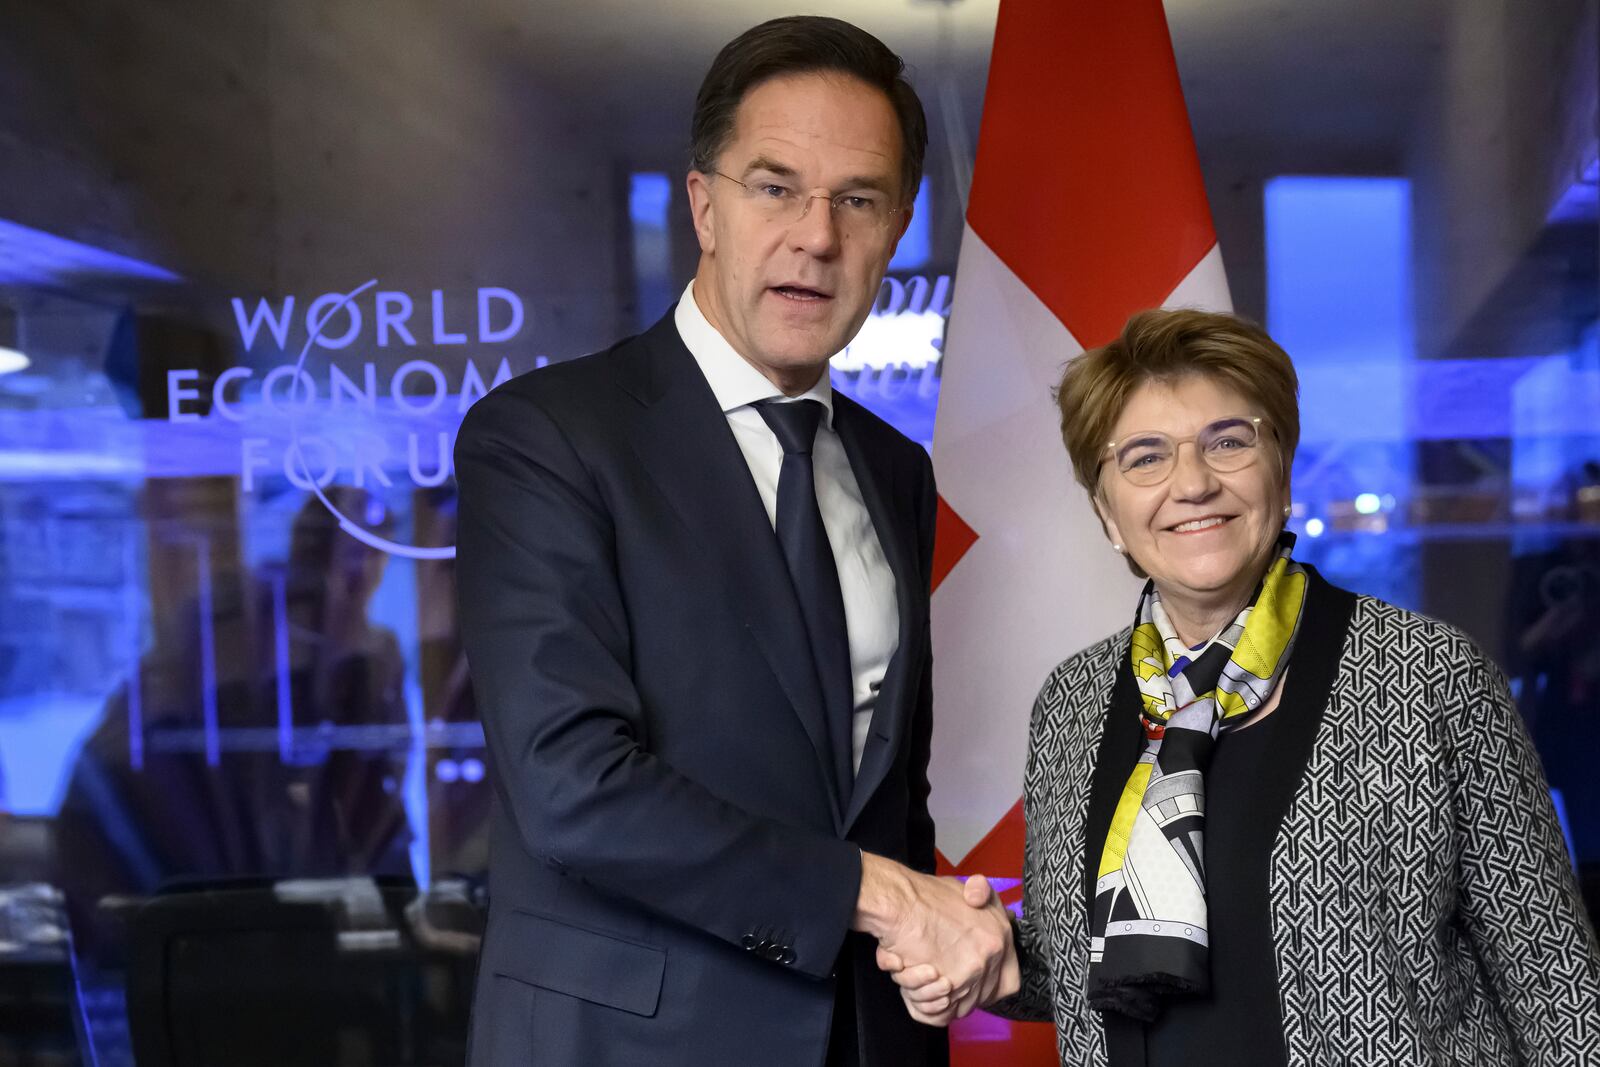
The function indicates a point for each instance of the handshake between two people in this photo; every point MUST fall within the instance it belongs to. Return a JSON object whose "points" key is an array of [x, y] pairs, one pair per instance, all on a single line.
{"points": [[947, 945]]}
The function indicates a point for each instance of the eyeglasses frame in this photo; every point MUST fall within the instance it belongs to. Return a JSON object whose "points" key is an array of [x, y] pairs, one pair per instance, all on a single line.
{"points": [[888, 219], [1256, 421]]}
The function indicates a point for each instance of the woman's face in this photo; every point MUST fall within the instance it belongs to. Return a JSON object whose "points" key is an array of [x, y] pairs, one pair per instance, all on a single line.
{"points": [[1204, 536]]}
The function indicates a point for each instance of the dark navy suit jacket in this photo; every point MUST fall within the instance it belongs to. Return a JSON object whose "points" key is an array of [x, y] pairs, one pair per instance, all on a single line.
{"points": [[671, 878]]}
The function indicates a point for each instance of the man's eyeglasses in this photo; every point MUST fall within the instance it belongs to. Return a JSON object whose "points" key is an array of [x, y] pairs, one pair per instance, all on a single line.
{"points": [[866, 212], [1149, 457]]}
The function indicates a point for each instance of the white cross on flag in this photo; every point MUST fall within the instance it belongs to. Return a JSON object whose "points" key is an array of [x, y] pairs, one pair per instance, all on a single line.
{"points": [[1087, 205]]}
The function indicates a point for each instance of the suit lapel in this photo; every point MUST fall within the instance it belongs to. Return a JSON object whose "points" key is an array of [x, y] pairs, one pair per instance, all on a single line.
{"points": [[896, 532], [686, 447]]}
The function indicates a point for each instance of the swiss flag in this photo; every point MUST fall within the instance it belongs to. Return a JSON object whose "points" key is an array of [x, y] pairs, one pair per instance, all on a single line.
{"points": [[1087, 205]]}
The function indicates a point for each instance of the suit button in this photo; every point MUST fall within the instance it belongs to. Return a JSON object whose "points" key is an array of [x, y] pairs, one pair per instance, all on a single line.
{"points": [[749, 942], [788, 957]]}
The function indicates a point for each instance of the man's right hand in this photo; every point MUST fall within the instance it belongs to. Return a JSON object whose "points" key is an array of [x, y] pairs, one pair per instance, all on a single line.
{"points": [[935, 929]]}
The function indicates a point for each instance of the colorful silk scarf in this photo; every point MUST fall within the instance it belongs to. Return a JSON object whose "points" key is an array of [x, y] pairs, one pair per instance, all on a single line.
{"points": [[1148, 931]]}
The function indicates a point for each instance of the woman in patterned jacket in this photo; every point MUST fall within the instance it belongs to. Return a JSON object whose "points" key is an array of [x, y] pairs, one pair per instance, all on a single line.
{"points": [[1273, 822]]}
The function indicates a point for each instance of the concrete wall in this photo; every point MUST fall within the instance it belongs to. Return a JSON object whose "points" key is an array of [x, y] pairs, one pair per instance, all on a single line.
{"points": [[301, 147], [1505, 130]]}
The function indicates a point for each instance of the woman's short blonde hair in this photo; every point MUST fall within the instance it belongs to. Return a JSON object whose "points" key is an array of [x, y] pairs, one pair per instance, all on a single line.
{"points": [[1166, 346]]}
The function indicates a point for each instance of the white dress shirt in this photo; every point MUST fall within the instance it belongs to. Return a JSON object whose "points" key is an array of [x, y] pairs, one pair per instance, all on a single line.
{"points": [[870, 613]]}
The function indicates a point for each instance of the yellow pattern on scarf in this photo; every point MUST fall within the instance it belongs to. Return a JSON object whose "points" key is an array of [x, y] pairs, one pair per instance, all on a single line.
{"points": [[1267, 632]]}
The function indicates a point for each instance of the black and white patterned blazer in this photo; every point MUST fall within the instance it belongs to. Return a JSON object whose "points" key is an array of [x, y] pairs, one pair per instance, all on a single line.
{"points": [[1423, 909]]}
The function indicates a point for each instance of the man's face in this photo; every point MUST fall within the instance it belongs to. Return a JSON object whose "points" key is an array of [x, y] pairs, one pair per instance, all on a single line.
{"points": [[786, 293]]}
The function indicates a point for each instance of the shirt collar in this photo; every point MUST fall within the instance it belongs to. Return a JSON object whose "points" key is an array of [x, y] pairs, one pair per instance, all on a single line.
{"points": [[734, 382]]}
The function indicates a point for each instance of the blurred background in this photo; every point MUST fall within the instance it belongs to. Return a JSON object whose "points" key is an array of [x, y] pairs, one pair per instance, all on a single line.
{"points": [[257, 259]]}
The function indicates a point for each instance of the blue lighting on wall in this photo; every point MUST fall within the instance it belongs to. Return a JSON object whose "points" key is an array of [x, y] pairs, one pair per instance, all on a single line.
{"points": [[649, 197], [1339, 301], [1580, 202], [30, 257], [649, 192], [1560, 805], [916, 247]]}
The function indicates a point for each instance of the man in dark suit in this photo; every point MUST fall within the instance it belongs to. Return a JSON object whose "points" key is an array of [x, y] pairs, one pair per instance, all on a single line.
{"points": [[694, 598]]}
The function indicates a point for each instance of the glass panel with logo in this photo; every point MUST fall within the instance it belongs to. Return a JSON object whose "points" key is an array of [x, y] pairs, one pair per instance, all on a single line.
{"points": [[256, 261]]}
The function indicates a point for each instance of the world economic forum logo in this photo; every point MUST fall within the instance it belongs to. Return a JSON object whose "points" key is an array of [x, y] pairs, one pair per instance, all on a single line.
{"points": [[319, 416]]}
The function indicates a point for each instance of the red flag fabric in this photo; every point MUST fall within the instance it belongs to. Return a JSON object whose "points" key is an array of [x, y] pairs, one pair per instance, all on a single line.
{"points": [[1087, 205]]}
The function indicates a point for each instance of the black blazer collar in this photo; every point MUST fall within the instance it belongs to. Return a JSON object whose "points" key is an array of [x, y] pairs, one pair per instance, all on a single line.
{"points": [[888, 504]]}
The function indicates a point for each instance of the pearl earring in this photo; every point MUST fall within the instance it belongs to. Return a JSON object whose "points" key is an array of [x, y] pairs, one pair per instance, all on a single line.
{"points": [[1288, 509], [1117, 549]]}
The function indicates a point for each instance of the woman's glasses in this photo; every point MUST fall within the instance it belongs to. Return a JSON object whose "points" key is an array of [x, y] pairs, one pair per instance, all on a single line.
{"points": [[1150, 456]]}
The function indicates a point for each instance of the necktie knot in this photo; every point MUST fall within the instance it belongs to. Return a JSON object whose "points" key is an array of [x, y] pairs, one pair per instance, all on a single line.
{"points": [[794, 424]]}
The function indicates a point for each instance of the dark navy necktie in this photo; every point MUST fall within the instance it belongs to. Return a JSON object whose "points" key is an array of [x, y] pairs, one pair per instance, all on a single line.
{"points": [[804, 541]]}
